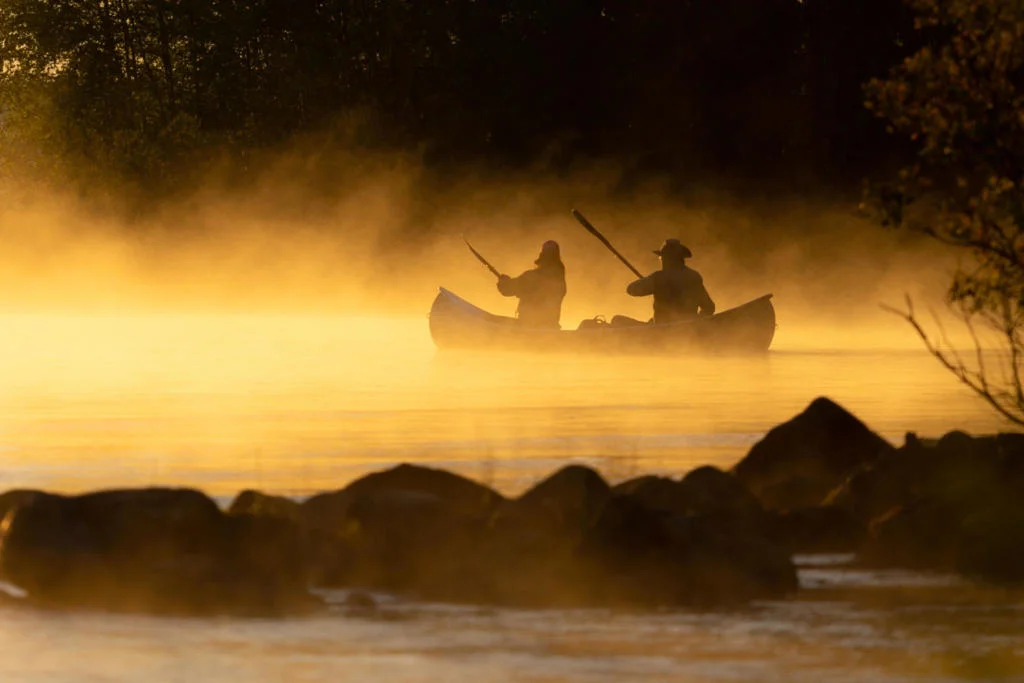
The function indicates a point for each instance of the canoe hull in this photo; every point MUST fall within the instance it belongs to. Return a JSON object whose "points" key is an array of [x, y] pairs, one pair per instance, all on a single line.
{"points": [[457, 324]]}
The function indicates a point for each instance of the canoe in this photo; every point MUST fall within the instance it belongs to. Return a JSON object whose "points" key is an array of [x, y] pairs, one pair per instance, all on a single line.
{"points": [[457, 324]]}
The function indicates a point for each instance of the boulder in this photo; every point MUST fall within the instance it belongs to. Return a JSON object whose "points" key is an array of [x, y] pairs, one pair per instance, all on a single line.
{"points": [[708, 490], [953, 505], [459, 493], [956, 471], [324, 551], [798, 463], [15, 497], [823, 529], [412, 542], [704, 490], [921, 535], [636, 555], [259, 504], [525, 553], [167, 551], [556, 511], [419, 517], [991, 543], [330, 510]]}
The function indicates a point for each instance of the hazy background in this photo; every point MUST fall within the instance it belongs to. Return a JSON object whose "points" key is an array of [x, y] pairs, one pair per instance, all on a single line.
{"points": [[391, 235]]}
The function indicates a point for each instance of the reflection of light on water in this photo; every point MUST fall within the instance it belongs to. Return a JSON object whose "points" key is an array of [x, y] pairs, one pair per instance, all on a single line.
{"points": [[844, 578], [844, 638], [300, 402]]}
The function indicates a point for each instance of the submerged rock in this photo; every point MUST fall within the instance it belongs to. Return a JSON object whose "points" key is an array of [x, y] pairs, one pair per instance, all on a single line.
{"points": [[798, 463], [166, 551]]}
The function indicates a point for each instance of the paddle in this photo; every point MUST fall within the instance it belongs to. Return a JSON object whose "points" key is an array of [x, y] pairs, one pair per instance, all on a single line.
{"points": [[593, 231], [481, 258]]}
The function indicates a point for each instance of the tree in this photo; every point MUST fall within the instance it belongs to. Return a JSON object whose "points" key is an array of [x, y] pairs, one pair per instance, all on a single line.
{"points": [[961, 100]]}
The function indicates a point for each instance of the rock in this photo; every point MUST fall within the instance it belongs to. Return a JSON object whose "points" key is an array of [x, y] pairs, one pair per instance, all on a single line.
{"points": [[557, 510], [956, 471], [166, 551], [990, 544], [526, 550], [324, 551], [892, 481], [825, 529], [256, 503], [952, 504], [704, 490], [379, 530], [656, 492], [1011, 456], [15, 497], [403, 541], [409, 541], [636, 555], [709, 490], [922, 535], [459, 493], [819, 447]]}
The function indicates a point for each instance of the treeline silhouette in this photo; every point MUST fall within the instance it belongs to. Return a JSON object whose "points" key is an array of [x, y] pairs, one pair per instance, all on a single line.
{"points": [[747, 89]]}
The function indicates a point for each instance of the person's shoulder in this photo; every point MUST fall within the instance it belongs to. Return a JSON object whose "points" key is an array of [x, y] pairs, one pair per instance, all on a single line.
{"points": [[693, 274]]}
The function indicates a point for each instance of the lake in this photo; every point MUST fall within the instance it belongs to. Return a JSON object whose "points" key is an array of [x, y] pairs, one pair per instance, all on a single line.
{"points": [[298, 403]]}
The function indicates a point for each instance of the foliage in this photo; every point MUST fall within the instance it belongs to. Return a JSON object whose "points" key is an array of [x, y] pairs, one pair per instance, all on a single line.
{"points": [[746, 87], [961, 99]]}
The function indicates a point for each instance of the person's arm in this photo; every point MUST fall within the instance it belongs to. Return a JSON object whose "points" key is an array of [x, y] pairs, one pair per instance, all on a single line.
{"points": [[511, 286], [707, 306], [642, 287]]}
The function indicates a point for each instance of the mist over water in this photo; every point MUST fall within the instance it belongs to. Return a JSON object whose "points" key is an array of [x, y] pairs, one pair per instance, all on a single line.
{"points": [[298, 403], [260, 341]]}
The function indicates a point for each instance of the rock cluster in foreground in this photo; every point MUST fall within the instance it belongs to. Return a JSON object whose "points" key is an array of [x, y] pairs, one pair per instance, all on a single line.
{"points": [[951, 504], [820, 482]]}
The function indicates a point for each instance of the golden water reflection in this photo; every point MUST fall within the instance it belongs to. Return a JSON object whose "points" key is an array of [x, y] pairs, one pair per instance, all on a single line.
{"points": [[295, 403]]}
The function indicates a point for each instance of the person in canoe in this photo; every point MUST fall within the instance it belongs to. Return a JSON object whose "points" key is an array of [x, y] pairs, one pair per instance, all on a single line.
{"points": [[540, 290], [678, 290]]}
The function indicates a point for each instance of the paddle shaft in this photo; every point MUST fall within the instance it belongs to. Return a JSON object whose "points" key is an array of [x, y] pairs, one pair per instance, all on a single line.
{"points": [[593, 231], [482, 259]]}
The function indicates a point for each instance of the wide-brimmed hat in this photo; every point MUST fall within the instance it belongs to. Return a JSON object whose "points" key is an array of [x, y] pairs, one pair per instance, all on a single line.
{"points": [[549, 251], [673, 247]]}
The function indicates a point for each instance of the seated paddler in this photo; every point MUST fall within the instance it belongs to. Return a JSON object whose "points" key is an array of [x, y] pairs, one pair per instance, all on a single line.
{"points": [[540, 290], [678, 290]]}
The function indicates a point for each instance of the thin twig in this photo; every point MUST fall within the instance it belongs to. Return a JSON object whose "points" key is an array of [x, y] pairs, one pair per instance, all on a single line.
{"points": [[976, 381]]}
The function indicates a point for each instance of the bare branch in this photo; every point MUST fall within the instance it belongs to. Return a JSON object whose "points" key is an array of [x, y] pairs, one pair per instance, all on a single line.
{"points": [[976, 381]]}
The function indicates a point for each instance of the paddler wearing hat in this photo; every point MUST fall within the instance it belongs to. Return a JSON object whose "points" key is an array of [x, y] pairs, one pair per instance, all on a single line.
{"points": [[678, 290], [540, 290]]}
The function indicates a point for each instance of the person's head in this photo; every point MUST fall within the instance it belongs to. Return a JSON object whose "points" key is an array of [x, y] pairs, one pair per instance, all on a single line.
{"points": [[673, 252], [549, 254]]}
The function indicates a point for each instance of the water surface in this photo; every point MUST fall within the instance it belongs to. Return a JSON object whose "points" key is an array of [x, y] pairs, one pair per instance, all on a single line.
{"points": [[300, 403], [293, 404]]}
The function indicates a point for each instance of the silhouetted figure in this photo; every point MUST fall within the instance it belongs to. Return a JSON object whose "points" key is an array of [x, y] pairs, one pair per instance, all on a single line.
{"points": [[678, 290], [540, 290]]}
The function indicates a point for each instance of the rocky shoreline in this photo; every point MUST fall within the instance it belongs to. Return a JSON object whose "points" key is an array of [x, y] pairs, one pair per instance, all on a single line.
{"points": [[821, 482]]}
